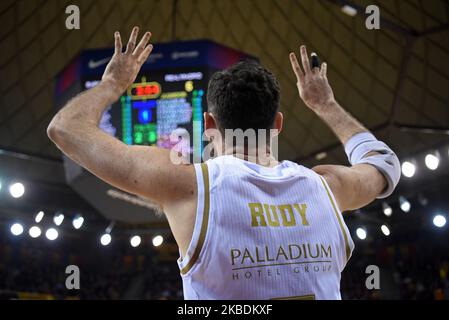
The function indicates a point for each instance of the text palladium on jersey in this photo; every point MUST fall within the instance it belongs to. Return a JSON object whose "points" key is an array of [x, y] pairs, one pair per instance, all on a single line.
{"points": [[298, 258], [246, 257]]}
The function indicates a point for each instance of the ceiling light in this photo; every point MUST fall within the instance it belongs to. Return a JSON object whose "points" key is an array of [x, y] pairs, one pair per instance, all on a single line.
{"points": [[432, 161], [404, 204], [105, 239], [349, 10], [17, 190], [385, 230], [361, 233], [439, 221], [408, 169], [16, 229], [135, 241], [39, 216], [158, 240], [52, 234], [35, 232], [388, 211]]}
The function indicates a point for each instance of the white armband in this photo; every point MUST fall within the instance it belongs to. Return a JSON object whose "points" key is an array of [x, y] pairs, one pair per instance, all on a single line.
{"points": [[386, 161]]}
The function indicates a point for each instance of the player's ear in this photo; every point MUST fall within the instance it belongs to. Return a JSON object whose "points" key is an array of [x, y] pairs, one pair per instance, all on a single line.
{"points": [[209, 121], [279, 122]]}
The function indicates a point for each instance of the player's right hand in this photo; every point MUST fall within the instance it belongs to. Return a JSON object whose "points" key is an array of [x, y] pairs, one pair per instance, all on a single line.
{"points": [[123, 68], [313, 86]]}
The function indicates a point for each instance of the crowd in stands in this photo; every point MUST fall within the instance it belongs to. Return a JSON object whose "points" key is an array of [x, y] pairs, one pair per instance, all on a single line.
{"points": [[29, 266]]}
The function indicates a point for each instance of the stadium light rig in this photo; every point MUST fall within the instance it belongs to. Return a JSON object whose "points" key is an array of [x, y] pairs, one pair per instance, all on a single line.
{"points": [[432, 161], [39, 216], [58, 218], [361, 233], [135, 241], [385, 230], [78, 221], [408, 169], [17, 190], [16, 229], [439, 221], [388, 211], [51, 234], [157, 240], [105, 239], [404, 204], [349, 10], [35, 232]]}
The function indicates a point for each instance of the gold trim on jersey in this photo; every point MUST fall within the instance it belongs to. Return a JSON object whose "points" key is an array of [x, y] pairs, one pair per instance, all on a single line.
{"points": [[204, 223], [345, 236]]}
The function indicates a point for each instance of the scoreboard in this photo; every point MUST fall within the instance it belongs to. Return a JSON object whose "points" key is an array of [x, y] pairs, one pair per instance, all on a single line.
{"points": [[158, 105], [168, 98]]}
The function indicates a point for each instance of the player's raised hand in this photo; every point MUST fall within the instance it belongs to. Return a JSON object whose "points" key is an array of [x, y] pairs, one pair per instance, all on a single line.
{"points": [[313, 86], [123, 68]]}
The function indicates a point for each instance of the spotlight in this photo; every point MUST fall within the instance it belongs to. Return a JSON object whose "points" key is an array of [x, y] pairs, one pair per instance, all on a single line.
{"points": [[439, 221], [408, 169], [17, 190], [16, 229], [39, 216], [388, 211], [361, 233], [35, 232], [432, 161], [157, 240], [404, 204], [58, 218], [52, 234], [105, 239], [78, 221], [135, 241], [349, 10], [385, 230]]}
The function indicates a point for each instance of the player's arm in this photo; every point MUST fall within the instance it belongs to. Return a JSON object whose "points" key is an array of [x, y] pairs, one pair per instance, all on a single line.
{"points": [[141, 170], [374, 170]]}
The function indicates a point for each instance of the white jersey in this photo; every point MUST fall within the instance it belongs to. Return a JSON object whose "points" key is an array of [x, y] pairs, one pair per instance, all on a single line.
{"points": [[264, 233]]}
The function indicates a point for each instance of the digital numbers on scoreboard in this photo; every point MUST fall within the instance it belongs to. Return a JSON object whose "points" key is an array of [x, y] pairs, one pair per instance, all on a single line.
{"points": [[157, 105]]}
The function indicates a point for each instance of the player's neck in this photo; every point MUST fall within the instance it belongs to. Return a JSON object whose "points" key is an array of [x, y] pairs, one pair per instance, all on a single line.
{"points": [[261, 156]]}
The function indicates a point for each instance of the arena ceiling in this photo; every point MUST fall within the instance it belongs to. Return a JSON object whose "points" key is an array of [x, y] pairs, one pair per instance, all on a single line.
{"points": [[396, 75], [395, 80]]}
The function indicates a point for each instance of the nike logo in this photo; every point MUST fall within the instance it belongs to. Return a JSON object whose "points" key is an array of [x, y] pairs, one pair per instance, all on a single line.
{"points": [[95, 64]]}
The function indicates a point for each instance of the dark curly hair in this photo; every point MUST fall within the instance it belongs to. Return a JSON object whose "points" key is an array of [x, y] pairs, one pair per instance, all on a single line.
{"points": [[244, 96]]}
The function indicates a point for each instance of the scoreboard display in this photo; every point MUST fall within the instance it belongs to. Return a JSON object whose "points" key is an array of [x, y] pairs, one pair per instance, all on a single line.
{"points": [[159, 109], [163, 107]]}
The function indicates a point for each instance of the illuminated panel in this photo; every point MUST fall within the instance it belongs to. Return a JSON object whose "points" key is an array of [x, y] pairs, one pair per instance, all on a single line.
{"points": [[197, 115], [144, 90], [149, 112], [171, 113], [126, 120]]}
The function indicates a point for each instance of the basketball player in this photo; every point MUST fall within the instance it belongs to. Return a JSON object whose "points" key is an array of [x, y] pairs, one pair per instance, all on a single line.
{"points": [[244, 230]]}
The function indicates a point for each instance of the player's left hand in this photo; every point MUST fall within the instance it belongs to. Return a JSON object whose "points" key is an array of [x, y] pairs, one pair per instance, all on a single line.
{"points": [[123, 68], [312, 83]]}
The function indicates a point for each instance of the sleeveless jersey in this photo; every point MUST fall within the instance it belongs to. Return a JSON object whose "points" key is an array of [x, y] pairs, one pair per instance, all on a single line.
{"points": [[264, 233]]}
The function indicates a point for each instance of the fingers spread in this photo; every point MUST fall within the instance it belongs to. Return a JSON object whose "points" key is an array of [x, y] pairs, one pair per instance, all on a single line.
{"points": [[132, 40], [143, 42], [305, 60], [145, 54], [118, 43], [295, 66]]}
